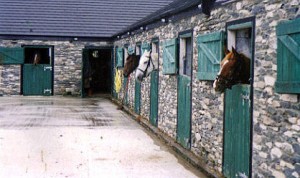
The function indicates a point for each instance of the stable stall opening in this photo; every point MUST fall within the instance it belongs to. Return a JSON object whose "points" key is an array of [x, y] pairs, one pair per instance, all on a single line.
{"points": [[37, 55], [238, 106], [184, 83], [96, 71]]}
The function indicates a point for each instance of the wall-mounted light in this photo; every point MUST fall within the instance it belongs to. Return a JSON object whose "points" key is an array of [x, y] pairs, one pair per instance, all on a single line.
{"points": [[128, 33], [199, 6], [141, 28], [163, 20], [118, 37]]}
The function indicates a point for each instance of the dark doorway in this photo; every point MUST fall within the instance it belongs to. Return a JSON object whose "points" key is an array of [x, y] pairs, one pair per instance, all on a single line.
{"points": [[96, 77]]}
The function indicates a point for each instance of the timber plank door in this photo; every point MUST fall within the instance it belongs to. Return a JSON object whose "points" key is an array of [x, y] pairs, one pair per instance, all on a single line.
{"points": [[238, 107], [184, 93], [154, 88], [37, 71]]}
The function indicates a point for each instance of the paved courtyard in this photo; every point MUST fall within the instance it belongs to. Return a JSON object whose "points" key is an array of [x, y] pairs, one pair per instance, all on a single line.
{"points": [[73, 137]]}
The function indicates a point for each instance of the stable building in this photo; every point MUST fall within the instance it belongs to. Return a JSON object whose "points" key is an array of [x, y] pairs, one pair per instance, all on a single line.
{"points": [[250, 130]]}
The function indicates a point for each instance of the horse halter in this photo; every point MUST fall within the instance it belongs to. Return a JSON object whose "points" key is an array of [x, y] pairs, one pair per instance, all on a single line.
{"points": [[150, 62]]}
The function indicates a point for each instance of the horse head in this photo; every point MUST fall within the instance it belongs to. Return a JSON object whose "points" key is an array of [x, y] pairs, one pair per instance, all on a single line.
{"points": [[131, 64], [146, 65], [234, 69], [37, 58]]}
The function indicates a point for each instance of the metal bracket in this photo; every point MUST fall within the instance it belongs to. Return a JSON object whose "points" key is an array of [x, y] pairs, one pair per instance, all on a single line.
{"points": [[47, 91], [47, 68]]}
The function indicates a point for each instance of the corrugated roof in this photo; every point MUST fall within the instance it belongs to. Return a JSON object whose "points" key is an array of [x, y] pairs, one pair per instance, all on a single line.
{"points": [[73, 18]]}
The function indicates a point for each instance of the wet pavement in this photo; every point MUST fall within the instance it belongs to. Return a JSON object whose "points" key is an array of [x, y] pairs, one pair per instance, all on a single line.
{"points": [[73, 137]]}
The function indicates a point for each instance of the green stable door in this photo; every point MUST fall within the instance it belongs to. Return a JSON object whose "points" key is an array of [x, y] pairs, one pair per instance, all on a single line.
{"points": [[237, 108], [38, 71], [37, 79], [154, 87], [184, 93], [237, 132], [137, 94], [154, 98], [184, 111]]}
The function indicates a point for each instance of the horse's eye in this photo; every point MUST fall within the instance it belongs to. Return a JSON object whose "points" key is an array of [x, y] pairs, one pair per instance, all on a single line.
{"points": [[145, 62]]}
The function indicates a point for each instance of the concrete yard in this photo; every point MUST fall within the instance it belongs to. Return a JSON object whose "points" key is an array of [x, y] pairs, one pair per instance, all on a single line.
{"points": [[73, 137]]}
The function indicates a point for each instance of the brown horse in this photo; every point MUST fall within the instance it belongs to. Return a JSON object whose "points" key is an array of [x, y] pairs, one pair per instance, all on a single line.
{"points": [[131, 64], [37, 58], [234, 69]]}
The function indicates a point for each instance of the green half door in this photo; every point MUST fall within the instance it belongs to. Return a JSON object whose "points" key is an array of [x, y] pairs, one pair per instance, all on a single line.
{"points": [[154, 98], [37, 79], [184, 111], [184, 92], [237, 132], [137, 97]]}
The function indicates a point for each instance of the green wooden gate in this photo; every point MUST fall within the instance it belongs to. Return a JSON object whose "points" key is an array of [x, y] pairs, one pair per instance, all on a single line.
{"points": [[237, 132], [37, 79], [184, 111]]}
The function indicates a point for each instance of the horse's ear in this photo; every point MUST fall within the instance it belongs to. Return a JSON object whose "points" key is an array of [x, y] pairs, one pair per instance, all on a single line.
{"points": [[226, 51], [234, 51]]}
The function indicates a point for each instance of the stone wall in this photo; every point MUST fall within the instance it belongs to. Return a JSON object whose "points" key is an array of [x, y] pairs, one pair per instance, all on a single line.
{"points": [[10, 79], [67, 66], [276, 117]]}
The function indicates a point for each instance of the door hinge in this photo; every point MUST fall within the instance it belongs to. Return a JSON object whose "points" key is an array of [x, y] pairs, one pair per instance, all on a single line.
{"points": [[47, 91], [47, 68]]}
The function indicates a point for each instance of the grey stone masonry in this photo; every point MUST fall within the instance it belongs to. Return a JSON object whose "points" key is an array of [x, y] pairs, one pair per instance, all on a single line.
{"points": [[276, 117], [67, 66]]}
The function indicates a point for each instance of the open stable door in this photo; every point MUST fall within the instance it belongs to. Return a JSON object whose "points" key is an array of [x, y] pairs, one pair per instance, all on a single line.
{"points": [[184, 91], [238, 105], [154, 78]]}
